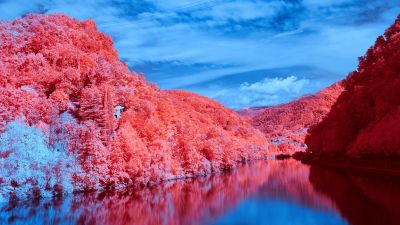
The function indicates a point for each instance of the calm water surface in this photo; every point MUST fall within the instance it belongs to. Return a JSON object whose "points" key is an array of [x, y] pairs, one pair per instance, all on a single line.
{"points": [[262, 192]]}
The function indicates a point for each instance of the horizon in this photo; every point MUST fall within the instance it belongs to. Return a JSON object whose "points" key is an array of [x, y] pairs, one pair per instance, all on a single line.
{"points": [[244, 53]]}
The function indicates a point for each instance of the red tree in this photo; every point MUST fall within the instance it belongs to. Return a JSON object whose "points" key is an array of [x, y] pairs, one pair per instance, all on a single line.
{"points": [[286, 125], [365, 120], [52, 65]]}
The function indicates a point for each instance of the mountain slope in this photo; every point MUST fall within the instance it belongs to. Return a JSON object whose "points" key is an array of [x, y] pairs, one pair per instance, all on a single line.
{"points": [[73, 117], [365, 120], [286, 125]]}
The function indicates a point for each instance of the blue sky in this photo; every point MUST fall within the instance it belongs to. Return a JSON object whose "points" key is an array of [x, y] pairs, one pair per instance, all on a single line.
{"points": [[240, 52]]}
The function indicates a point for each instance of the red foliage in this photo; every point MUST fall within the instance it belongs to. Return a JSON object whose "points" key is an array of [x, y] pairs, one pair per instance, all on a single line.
{"points": [[288, 179], [365, 120], [52, 64], [286, 125], [189, 202], [361, 198]]}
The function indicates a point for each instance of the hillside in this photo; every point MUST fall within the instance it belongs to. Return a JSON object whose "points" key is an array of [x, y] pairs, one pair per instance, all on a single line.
{"points": [[365, 120], [286, 125], [74, 118]]}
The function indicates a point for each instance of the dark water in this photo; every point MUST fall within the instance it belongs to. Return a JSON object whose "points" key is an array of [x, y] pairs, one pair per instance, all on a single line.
{"points": [[262, 192]]}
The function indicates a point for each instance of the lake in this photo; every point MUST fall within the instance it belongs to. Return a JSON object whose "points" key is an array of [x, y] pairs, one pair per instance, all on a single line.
{"points": [[260, 192]]}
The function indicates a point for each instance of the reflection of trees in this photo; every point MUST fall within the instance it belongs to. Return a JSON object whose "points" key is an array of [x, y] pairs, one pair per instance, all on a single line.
{"points": [[188, 201], [191, 201], [361, 198], [289, 180]]}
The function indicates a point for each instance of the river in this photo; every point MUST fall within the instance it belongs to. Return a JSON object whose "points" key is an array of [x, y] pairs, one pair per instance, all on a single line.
{"points": [[260, 192]]}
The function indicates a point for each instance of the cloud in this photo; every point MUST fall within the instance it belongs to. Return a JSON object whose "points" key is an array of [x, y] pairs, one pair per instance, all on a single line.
{"points": [[13, 9], [168, 40], [326, 3], [290, 86], [266, 92], [179, 5], [241, 10]]}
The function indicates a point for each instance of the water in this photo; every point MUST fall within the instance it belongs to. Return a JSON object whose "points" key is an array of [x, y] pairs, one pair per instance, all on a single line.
{"points": [[262, 192]]}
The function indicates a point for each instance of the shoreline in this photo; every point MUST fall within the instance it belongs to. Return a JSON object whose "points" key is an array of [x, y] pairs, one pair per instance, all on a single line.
{"points": [[377, 165]]}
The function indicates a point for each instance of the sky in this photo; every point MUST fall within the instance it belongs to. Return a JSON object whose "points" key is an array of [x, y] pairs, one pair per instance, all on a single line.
{"points": [[241, 53]]}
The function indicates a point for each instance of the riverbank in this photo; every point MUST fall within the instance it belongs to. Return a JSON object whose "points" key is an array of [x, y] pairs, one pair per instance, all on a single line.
{"points": [[371, 164]]}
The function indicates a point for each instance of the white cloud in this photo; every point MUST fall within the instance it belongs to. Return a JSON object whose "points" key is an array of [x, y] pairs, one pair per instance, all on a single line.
{"points": [[270, 91], [325, 3], [241, 10], [179, 5], [267, 92], [290, 86], [222, 33]]}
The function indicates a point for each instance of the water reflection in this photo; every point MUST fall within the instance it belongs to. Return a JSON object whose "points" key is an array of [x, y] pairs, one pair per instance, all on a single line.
{"points": [[263, 192], [362, 198]]}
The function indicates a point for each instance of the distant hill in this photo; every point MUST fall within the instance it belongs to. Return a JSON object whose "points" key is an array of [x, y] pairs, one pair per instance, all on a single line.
{"points": [[286, 125]]}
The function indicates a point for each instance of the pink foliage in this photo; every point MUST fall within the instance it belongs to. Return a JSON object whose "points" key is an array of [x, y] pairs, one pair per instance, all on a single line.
{"points": [[365, 120], [286, 125], [183, 202], [52, 65]]}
